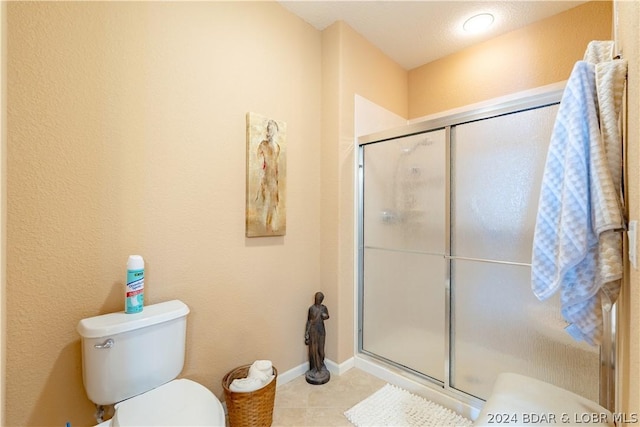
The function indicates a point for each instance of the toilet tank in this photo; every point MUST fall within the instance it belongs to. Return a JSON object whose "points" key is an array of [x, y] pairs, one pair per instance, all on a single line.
{"points": [[124, 355]]}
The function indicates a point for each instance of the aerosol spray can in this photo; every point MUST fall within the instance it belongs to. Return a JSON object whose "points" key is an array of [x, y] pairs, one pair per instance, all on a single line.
{"points": [[134, 291]]}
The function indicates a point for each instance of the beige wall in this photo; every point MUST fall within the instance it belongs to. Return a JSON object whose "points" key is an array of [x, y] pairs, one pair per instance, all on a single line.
{"points": [[534, 56], [351, 66], [127, 135], [3, 202], [628, 40]]}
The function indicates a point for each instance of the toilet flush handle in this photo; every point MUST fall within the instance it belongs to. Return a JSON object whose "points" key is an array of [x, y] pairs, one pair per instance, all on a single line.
{"points": [[107, 344]]}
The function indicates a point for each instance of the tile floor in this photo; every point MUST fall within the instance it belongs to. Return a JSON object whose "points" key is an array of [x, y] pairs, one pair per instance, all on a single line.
{"points": [[300, 404]]}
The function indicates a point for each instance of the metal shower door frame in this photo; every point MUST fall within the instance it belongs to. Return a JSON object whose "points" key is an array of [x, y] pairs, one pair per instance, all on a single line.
{"points": [[448, 123]]}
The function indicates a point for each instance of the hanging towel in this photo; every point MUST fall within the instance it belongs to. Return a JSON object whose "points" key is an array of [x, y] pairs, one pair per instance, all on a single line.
{"points": [[565, 245], [599, 51], [577, 247], [610, 79], [563, 237]]}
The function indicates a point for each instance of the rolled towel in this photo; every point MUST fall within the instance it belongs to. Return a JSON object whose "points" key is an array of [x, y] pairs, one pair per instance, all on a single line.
{"points": [[262, 369], [245, 385]]}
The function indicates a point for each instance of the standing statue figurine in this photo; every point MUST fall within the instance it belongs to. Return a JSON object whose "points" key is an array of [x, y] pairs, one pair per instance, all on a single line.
{"points": [[314, 337]]}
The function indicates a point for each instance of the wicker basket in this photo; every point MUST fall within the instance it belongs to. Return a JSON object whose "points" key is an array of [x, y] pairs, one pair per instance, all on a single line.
{"points": [[249, 409]]}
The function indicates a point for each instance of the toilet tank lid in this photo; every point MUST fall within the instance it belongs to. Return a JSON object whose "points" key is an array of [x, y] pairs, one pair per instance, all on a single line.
{"points": [[116, 323]]}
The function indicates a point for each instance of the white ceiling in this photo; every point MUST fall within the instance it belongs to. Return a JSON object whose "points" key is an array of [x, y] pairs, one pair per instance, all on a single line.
{"points": [[413, 33]]}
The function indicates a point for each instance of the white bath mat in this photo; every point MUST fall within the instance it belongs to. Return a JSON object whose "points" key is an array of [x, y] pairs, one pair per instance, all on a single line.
{"points": [[393, 406]]}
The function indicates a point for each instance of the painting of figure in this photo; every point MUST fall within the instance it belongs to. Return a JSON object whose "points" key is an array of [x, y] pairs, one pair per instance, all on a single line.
{"points": [[266, 176]]}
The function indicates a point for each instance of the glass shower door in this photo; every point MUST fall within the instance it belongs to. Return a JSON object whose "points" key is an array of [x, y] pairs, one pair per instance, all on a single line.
{"points": [[404, 239], [497, 323]]}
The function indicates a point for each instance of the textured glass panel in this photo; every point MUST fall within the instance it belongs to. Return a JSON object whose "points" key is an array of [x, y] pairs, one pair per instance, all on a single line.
{"points": [[497, 171], [404, 309], [501, 327], [404, 193]]}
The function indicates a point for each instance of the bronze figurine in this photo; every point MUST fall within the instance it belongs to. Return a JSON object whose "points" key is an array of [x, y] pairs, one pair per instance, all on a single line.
{"points": [[314, 337]]}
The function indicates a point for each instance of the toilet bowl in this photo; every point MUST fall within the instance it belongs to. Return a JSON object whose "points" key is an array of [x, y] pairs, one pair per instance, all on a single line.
{"points": [[178, 403], [133, 360]]}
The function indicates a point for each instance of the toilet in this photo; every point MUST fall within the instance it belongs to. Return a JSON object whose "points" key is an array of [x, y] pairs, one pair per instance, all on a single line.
{"points": [[132, 361]]}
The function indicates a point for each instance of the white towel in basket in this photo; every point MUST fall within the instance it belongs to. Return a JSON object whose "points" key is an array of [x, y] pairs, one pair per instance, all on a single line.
{"points": [[260, 374]]}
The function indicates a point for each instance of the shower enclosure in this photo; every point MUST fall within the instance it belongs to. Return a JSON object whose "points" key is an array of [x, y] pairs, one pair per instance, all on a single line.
{"points": [[446, 218]]}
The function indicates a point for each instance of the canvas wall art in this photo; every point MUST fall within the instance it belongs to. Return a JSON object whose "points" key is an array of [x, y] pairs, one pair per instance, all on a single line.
{"points": [[266, 177]]}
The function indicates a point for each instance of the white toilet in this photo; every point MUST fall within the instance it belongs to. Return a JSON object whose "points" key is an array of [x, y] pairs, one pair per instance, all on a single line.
{"points": [[132, 360]]}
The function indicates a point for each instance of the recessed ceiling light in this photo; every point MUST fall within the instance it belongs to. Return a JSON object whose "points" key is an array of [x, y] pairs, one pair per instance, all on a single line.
{"points": [[478, 23]]}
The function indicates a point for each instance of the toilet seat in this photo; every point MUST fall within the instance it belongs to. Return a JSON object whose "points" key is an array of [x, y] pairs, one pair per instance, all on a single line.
{"points": [[177, 403]]}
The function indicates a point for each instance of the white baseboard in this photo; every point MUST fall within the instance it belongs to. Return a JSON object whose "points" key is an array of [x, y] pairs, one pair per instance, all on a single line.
{"points": [[340, 369], [292, 374], [333, 367]]}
